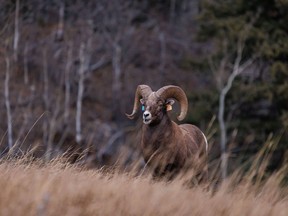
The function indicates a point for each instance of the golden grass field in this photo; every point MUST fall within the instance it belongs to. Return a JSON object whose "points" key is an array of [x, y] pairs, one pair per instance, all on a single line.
{"points": [[57, 188]]}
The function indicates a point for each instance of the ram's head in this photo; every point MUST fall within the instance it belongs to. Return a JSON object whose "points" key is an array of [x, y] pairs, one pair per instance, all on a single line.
{"points": [[156, 104]]}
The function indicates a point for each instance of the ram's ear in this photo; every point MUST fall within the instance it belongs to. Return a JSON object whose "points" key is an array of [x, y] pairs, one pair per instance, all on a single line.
{"points": [[142, 101], [169, 103]]}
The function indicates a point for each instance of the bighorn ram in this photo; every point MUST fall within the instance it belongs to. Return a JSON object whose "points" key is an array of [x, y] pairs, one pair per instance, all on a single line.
{"points": [[166, 146]]}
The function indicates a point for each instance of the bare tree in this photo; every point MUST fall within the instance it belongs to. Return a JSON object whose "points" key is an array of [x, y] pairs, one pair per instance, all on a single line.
{"points": [[46, 105], [237, 69], [67, 83], [60, 29], [163, 54], [116, 62], [84, 57], [52, 127], [80, 93], [16, 30], [26, 75], [7, 103], [238, 66]]}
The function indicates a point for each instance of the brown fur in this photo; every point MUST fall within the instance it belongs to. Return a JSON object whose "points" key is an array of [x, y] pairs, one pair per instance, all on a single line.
{"points": [[168, 148]]}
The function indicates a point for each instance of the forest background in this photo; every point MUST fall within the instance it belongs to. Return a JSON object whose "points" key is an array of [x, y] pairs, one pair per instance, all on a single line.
{"points": [[69, 71]]}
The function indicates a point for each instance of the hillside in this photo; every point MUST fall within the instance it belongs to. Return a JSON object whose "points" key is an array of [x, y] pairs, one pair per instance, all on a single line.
{"points": [[61, 189]]}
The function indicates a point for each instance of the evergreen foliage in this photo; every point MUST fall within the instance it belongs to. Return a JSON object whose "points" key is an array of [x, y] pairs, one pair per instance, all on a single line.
{"points": [[257, 103]]}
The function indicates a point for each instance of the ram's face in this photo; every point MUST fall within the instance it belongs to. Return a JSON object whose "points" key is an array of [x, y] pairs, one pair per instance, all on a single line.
{"points": [[153, 109]]}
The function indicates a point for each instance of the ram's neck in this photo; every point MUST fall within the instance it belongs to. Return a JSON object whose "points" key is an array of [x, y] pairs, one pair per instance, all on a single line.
{"points": [[153, 135]]}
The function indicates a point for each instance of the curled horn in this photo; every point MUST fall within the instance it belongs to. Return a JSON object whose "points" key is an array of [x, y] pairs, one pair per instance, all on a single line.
{"points": [[177, 93], [142, 91]]}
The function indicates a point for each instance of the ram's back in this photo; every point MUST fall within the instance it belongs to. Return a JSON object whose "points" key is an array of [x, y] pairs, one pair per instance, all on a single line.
{"points": [[194, 137]]}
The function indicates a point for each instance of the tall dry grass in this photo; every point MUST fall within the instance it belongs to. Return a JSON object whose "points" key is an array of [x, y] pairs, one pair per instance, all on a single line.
{"points": [[58, 188], [35, 187]]}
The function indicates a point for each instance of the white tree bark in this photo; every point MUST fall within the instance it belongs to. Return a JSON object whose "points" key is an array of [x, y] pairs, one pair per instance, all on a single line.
{"points": [[46, 105], [60, 29], [16, 30], [45, 80], [7, 104], [237, 69], [84, 57], [67, 84], [26, 75], [52, 127], [162, 56], [116, 61]]}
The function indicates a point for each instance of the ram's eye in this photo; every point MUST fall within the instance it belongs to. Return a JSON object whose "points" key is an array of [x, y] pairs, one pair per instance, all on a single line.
{"points": [[142, 107]]}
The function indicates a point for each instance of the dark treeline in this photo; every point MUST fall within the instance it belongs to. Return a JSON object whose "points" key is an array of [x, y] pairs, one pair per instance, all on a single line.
{"points": [[69, 70]]}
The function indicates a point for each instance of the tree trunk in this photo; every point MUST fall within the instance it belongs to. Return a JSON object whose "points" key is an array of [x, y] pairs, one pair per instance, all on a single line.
{"points": [[7, 104]]}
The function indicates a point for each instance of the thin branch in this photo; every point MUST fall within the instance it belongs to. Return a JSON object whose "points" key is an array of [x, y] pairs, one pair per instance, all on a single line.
{"points": [[98, 64], [247, 64]]}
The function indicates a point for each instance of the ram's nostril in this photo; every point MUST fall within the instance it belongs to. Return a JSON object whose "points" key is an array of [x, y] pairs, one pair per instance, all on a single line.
{"points": [[146, 114]]}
